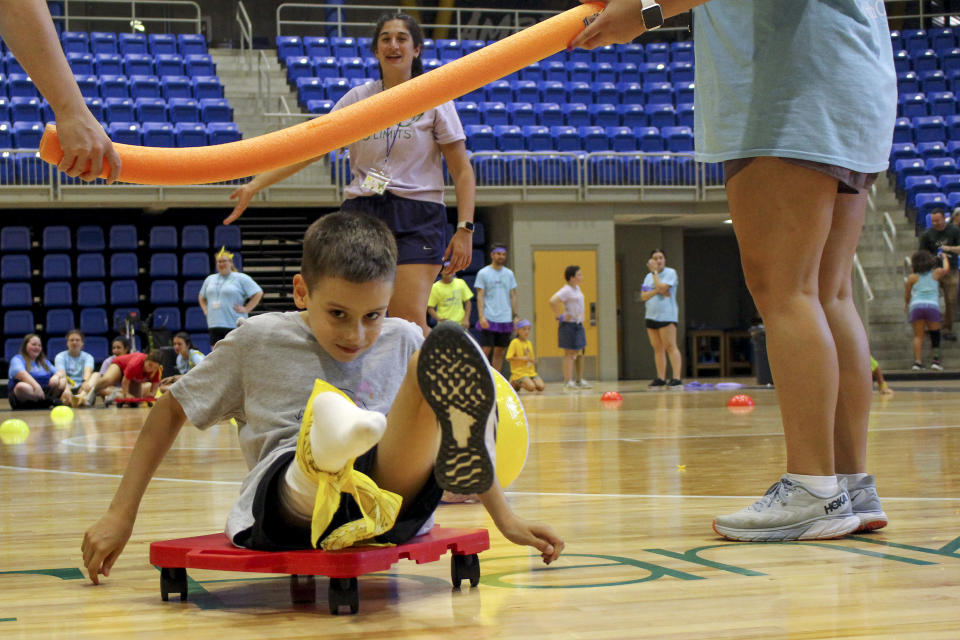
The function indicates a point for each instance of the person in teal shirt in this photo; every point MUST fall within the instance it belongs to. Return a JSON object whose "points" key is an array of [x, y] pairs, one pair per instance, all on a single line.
{"points": [[798, 99], [78, 366], [227, 296]]}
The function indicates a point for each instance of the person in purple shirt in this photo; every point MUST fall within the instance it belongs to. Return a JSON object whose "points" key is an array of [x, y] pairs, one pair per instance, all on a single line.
{"points": [[398, 175], [35, 382]]}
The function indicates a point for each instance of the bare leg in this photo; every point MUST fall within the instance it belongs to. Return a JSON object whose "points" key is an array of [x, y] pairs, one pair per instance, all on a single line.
{"points": [[539, 384], [578, 364], [668, 337], [411, 291], [111, 377], [853, 353], [498, 358], [659, 353], [568, 358], [918, 332], [26, 392], [782, 216], [528, 385]]}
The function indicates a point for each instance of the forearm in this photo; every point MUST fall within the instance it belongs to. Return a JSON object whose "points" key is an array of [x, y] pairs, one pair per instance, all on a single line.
{"points": [[432, 313], [267, 178], [513, 301], [29, 33], [254, 301], [480, 302], [465, 186], [203, 304], [467, 308], [157, 435], [557, 307], [495, 502]]}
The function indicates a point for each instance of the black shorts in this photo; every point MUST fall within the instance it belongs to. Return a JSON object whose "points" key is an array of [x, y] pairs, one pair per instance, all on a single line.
{"points": [[271, 532], [571, 336], [50, 399], [419, 227], [494, 338], [658, 324]]}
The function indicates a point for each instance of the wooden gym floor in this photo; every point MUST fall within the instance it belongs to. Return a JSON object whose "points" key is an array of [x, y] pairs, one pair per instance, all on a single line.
{"points": [[631, 489]]}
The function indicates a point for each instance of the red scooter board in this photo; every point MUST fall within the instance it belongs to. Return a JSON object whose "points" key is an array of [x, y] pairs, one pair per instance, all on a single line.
{"points": [[215, 552], [135, 402]]}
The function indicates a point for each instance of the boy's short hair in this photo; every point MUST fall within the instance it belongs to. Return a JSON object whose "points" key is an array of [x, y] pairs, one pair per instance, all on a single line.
{"points": [[352, 246], [75, 331], [570, 272]]}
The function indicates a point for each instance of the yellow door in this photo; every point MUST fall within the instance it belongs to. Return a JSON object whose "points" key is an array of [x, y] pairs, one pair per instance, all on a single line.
{"points": [[548, 268]]}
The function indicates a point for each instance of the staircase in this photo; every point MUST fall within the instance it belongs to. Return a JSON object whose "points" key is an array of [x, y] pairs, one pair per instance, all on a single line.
{"points": [[887, 327], [272, 246]]}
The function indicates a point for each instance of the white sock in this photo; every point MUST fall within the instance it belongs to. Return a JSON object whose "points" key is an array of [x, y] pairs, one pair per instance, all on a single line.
{"points": [[820, 485], [340, 431], [851, 478]]}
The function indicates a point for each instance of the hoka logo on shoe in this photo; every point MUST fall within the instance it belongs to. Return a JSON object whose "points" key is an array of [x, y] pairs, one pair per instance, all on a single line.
{"points": [[835, 504]]}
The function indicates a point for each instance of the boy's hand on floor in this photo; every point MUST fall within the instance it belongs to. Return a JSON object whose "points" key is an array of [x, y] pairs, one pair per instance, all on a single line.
{"points": [[102, 544], [534, 534]]}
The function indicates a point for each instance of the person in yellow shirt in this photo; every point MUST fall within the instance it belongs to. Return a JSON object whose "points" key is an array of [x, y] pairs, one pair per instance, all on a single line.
{"points": [[450, 300], [523, 374]]}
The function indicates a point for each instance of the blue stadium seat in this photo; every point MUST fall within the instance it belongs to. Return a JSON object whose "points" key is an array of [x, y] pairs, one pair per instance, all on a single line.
{"points": [[911, 105], [632, 52], [494, 113], [145, 87], [949, 183], [191, 291], [931, 81], [93, 321], [920, 184], [163, 265], [354, 67], [228, 236], [678, 139], [90, 266], [681, 51], [138, 64], [89, 86], [30, 169], [604, 115], [903, 130], [680, 72], [222, 132], [310, 89], [103, 42], [4, 106], [128, 43], [80, 63], [649, 139], [631, 93], [940, 166], [685, 114], [151, 109], [565, 138], [124, 265], [75, 41], [15, 267], [521, 114], [46, 111], [6, 135], [654, 72], [554, 92], [344, 47], [299, 67], [929, 128], [196, 264], [90, 238], [903, 151], [926, 203], [166, 318], [91, 293], [158, 134], [683, 93], [537, 138], [98, 347], [312, 47], [576, 114], [927, 150], [601, 72], [468, 112], [942, 39], [662, 115], [289, 47], [55, 345], [191, 43], [953, 149], [531, 72], [123, 237], [194, 319], [162, 43], [490, 170], [169, 64], [113, 87], [59, 321], [14, 238], [335, 88], [325, 67], [548, 114], [16, 295], [57, 238], [164, 292], [658, 93], [190, 134], [942, 103], [183, 110], [499, 91], [176, 87], [25, 108], [586, 93], [57, 294], [902, 62], [195, 237], [950, 61], [593, 139], [20, 85], [908, 82], [200, 65], [449, 49], [11, 64], [621, 138], [124, 293], [125, 132], [627, 72], [915, 39], [216, 110], [908, 168], [56, 266], [96, 107], [480, 137], [509, 137], [207, 87], [925, 60], [18, 322]]}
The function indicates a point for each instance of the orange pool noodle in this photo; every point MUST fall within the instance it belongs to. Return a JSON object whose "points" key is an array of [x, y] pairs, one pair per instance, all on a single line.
{"points": [[313, 138]]}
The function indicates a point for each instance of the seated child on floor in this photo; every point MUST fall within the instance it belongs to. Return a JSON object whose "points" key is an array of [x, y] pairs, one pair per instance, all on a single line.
{"points": [[523, 372], [362, 413], [131, 371]]}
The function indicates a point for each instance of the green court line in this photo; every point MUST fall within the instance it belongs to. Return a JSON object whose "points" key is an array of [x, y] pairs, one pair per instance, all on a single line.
{"points": [[8, 619], [948, 550], [71, 573], [656, 572]]}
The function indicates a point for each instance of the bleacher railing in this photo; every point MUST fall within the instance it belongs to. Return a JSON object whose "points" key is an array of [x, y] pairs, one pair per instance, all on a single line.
{"points": [[157, 16]]}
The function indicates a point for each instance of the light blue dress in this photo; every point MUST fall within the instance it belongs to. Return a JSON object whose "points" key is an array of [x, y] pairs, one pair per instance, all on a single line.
{"points": [[806, 79]]}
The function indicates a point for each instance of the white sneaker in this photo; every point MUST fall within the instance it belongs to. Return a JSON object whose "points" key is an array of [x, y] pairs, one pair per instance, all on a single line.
{"points": [[583, 384], [571, 386], [917, 366], [866, 504], [935, 365], [790, 511]]}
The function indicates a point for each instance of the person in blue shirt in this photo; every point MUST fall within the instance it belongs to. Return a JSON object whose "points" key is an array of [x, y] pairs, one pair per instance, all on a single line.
{"points": [[77, 365], [922, 299], [659, 292], [226, 296], [797, 99], [35, 381], [496, 305], [187, 358]]}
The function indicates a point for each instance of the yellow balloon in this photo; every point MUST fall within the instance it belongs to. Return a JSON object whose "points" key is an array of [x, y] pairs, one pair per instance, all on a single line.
{"points": [[513, 441], [14, 431], [61, 415]]}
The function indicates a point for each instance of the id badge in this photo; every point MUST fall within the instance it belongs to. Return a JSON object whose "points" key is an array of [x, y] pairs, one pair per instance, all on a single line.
{"points": [[215, 304], [376, 181]]}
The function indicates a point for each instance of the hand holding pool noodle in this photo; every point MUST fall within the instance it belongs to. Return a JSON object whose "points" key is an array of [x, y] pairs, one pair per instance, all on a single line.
{"points": [[313, 138]]}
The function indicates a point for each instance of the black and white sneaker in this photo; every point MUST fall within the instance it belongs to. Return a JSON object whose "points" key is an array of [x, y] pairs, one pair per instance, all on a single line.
{"points": [[457, 384], [658, 383]]}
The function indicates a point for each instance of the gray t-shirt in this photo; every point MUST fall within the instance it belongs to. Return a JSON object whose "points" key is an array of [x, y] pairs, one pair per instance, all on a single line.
{"points": [[414, 165], [262, 375]]}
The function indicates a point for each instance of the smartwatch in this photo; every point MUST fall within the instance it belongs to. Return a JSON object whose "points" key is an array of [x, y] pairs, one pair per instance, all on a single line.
{"points": [[465, 224], [652, 15]]}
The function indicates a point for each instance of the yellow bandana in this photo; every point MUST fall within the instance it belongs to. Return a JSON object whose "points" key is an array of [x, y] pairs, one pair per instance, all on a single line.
{"points": [[378, 507], [224, 254]]}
